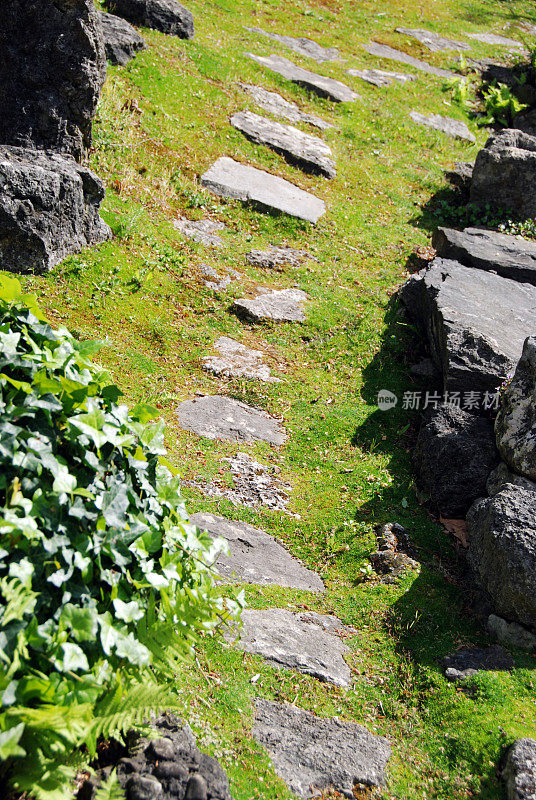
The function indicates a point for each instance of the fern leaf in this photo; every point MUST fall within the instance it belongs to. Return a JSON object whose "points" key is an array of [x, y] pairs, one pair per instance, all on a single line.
{"points": [[110, 789], [117, 713]]}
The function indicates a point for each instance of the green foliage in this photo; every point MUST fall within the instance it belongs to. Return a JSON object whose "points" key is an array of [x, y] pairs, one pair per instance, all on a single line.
{"points": [[501, 105], [103, 581], [110, 789], [460, 91]]}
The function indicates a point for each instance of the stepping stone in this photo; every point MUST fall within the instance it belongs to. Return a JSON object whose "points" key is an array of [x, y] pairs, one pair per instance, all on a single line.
{"points": [[325, 87], [307, 642], [305, 151], [452, 127], [202, 231], [433, 41], [379, 77], [495, 39], [237, 361], [121, 40], [228, 178], [519, 774], [383, 51], [256, 557], [219, 417], [468, 661], [277, 105], [302, 45], [277, 258], [312, 754], [216, 282], [284, 305]]}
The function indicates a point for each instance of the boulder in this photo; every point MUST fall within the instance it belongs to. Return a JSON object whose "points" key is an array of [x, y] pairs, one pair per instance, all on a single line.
{"points": [[49, 208], [505, 173], [167, 16], [460, 176], [454, 456], [519, 773], [121, 40], [516, 421], [511, 634], [51, 72]]}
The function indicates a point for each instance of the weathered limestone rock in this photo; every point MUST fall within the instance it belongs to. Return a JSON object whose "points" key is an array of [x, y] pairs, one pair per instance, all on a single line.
{"points": [[452, 127], [256, 557], [285, 305], [433, 41], [305, 151], [237, 361], [167, 16], [51, 72], [379, 77], [325, 87], [383, 51], [302, 45], [308, 642], [519, 773], [466, 662], [228, 178], [277, 105], [509, 256], [49, 208], [511, 634], [495, 39], [217, 282], [202, 231], [121, 40], [277, 258], [219, 417], [312, 754], [516, 421], [505, 172]]}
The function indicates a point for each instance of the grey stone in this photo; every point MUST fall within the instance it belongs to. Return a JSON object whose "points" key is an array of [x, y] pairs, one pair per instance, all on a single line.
{"points": [[280, 107], [475, 322], [312, 754], [425, 368], [162, 749], [467, 661], [202, 231], [526, 122], [228, 178], [384, 51], [452, 127], [217, 282], [392, 566], [505, 173], [141, 787], [121, 40], [519, 774], [302, 45], [501, 475], [305, 151], [277, 257], [511, 634], [380, 77], [255, 557], [167, 16], [516, 421], [460, 175], [433, 41], [307, 642], [51, 72], [49, 208], [196, 788], [284, 305], [219, 417], [495, 39], [237, 361], [509, 256], [325, 87]]}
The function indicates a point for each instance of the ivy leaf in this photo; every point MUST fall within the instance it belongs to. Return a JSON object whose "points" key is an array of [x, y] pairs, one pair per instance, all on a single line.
{"points": [[83, 622], [73, 658], [64, 481], [9, 742], [128, 612]]}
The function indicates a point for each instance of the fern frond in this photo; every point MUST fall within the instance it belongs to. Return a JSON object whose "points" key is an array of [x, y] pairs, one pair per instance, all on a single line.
{"points": [[118, 712], [110, 789]]}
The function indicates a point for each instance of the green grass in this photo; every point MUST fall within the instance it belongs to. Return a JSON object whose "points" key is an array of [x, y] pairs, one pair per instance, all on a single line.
{"points": [[162, 121]]}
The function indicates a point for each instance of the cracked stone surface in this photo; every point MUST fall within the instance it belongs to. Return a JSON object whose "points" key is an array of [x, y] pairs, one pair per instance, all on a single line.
{"points": [[202, 231], [283, 305], [452, 127], [433, 41], [312, 754], [305, 151], [229, 178], [468, 661], [256, 557], [307, 642], [302, 45], [219, 417], [381, 77], [325, 87], [237, 361], [277, 258], [495, 39], [383, 51], [277, 105]]}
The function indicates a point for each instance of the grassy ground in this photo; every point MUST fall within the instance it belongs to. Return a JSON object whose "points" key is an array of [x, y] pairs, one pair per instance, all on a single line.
{"points": [[162, 121]]}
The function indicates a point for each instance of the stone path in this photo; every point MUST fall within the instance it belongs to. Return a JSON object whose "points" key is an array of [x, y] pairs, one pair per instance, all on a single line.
{"points": [[433, 41], [383, 51], [312, 754], [495, 39], [277, 258], [229, 178], [237, 361], [202, 231], [468, 661], [452, 127], [256, 557], [219, 417], [277, 105], [217, 282], [325, 87], [380, 77], [305, 151], [284, 305], [307, 642], [302, 45]]}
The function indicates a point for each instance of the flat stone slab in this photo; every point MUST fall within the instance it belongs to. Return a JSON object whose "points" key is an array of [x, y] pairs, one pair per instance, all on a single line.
{"points": [[307, 642], [452, 127], [256, 557], [216, 281], [219, 417], [433, 41], [280, 107], [283, 305], [229, 178], [302, 45], [384, 51], [506, 255], [237, 361], [121, 40], [312, 754], [519, 773], [381, 77], [495, 39], [202, 231], [303, 150], [277, 258], [325, 87], [468, 661]]}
